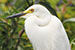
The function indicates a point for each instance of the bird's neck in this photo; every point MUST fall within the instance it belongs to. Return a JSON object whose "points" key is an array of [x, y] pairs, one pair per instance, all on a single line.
{"points": [[42, 20]]}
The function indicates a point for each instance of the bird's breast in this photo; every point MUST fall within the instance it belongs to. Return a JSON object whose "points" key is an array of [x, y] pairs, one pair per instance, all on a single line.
{"points": [[42, 36], [47, 37]]}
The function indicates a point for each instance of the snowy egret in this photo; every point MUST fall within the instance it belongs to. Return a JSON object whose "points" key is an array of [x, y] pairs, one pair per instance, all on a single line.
{"points": [[44, 30]]}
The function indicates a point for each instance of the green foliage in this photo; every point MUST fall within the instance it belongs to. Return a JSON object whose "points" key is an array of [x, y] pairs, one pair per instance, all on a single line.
{"points": [[10, 29]]}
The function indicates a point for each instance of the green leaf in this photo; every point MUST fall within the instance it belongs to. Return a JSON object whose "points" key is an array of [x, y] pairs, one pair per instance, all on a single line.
{"points": [[69, 20], [20, 48]]}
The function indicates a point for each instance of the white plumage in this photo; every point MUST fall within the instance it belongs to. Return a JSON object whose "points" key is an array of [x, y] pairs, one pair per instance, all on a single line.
{"points": [[44, 30]]}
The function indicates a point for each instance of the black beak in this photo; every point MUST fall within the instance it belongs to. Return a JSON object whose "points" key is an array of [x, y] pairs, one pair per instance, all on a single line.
{"points": [[16, 15]]}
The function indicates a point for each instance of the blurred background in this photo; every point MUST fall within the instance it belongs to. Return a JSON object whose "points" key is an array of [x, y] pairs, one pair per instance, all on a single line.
{"points": [[12, 34]]}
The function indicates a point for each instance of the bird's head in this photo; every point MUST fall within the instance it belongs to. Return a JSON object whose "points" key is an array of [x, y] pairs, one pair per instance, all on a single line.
{"points": [[37, 10]]}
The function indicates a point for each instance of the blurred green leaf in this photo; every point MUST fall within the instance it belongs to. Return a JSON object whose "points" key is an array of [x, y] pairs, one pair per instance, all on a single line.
{"points": [[69, 20]]}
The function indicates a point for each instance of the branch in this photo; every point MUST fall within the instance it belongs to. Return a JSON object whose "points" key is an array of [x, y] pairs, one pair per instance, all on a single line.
{"points": [[18, 42]]}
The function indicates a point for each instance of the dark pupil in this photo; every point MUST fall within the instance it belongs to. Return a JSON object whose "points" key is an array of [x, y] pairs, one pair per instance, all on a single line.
{"points": [[32, 10]]}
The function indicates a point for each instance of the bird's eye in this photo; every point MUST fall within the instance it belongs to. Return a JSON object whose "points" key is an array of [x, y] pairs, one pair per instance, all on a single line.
{"points": [[32, 10]]}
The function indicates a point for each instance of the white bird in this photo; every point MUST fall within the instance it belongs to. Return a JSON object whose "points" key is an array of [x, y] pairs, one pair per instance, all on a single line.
{"points": [[45, 31]]}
